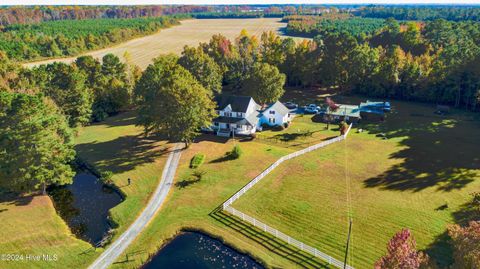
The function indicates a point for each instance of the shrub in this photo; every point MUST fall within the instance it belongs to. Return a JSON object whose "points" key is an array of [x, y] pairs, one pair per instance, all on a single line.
{"points": [[343, 127], [197, 160], [236, 152], [106, 177], [286, 125], [278, 128]]}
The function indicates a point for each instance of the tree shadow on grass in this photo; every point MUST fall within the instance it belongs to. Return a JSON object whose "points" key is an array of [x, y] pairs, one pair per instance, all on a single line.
{"points": [[437, 152], [270, 242], [287, 137], [186, 182], [11, 198], [441, 249], [124, 153], [224, 158]]}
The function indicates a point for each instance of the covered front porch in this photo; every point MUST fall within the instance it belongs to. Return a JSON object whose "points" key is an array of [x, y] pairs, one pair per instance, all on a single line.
{"points": [[229, 129]]}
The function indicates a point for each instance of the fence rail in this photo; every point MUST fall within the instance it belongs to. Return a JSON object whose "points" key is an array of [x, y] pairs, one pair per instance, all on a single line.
{"points": [[278, 162], [290, 240]]}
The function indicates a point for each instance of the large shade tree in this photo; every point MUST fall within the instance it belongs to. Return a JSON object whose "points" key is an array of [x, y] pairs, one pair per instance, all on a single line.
{"points": [[110, 83], [203, 68], [265, 83], [65, 84], [171, 101], [36, 143]]}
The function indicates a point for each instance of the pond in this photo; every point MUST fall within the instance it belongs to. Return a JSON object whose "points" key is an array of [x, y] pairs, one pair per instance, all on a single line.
{"points": [[84, 206], [195, 250]]}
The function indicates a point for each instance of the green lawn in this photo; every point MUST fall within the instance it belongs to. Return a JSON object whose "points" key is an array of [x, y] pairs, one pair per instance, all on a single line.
{"points": [[419, 178], [194, 205], [304, 131]]}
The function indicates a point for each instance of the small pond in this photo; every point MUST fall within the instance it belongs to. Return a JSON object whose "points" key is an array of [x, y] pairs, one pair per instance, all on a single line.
{"points": [[195, 250], [84, 206]]}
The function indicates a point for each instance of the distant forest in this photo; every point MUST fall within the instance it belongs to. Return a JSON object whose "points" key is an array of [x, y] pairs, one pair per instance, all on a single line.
{"points": [[421, 13], [23, 42], [36, 14]]}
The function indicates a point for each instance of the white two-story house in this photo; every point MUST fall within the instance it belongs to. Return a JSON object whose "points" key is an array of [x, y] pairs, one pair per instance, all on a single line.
{"points": [[241, 115]]}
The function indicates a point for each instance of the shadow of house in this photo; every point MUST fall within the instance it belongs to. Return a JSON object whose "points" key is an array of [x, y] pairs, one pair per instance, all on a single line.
{"points": [[436, 153], [211, 138], [122, 154]]}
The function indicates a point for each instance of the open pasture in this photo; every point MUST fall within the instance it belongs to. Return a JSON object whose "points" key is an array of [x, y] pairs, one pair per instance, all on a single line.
{"points": [[420, 178]]}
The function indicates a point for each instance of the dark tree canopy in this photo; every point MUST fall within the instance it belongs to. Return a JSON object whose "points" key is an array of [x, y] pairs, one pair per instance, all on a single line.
{"points": [[36, 144], [171, 101], [65, 84], [265, 83], [203, 68]]}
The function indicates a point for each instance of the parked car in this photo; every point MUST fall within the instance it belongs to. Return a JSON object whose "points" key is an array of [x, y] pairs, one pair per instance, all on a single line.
{"points": [[291, 105], [312, 109]]}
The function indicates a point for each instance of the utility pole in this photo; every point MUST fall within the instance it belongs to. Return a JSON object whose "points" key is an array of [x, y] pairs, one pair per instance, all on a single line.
{"points": [[348, 242]]}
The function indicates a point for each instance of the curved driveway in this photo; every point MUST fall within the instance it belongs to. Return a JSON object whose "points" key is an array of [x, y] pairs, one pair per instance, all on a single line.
{"points": [[120, 245]]}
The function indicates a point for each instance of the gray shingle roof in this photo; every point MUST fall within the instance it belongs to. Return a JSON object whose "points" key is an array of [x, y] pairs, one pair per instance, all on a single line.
{"points": [[238, 103], [279, 108]]}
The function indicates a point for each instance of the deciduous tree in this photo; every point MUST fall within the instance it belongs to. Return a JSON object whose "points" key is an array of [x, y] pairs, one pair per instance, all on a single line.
{"points": [[265, 83], [402, 253], [203, 68], [172, 102]]}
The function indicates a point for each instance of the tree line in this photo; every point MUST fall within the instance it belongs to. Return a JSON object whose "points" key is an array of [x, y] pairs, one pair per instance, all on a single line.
{"points": [[433, 62], [314, 25], [37, 14], [421, 13], [70, 37]]}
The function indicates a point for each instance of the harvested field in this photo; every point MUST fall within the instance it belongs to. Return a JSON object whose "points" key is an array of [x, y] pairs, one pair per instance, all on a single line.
{"points": [[172, 40]]}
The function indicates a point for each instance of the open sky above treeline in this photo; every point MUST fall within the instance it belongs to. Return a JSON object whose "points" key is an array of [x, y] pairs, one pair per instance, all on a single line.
{"points": [[232, 2]]}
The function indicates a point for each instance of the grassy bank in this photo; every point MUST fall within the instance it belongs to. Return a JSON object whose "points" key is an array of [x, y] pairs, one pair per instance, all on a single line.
{"points": [[30, 226]]}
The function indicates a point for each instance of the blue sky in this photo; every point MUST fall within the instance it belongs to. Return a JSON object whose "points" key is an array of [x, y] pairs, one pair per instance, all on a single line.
{"points": [[218, 2]]}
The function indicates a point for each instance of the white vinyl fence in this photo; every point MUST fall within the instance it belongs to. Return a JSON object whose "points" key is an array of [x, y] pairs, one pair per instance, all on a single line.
{"points": [[304, 247]]}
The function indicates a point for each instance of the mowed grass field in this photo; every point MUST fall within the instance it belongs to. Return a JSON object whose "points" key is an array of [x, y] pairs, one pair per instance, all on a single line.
{"points": [[30, 225], [420, 178], [172, 40], [304, 131], [194, 205]]}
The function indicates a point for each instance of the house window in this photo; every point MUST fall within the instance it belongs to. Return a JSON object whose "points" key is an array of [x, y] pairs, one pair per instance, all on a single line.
{"points": [[215, 123], [272, 112], [239, 114], [228, 114]]}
